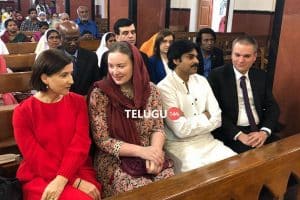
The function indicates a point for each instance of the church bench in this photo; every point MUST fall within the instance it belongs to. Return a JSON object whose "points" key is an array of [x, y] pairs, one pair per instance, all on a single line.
{"points": [[7, 141], [91, 45], [241, 177], [29, 47], [21, 47], [15, 82], [20, 62]]}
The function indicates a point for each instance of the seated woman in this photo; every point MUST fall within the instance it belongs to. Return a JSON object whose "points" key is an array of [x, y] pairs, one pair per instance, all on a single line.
{"points": [[106, 41], [51, 39], [194, 111], [52, 132], [158, 63], [12, 33], [129, 151]]}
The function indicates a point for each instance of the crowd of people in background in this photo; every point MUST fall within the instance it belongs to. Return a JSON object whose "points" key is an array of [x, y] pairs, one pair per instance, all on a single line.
{"points": [[163, 74]]}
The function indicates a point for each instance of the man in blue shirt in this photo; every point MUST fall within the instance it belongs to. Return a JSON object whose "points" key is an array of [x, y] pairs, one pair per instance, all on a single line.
{"points": [[88, 28]]}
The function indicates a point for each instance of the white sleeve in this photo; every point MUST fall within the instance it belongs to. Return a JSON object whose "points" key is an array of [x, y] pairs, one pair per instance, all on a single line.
{"points": [[195, 125]]}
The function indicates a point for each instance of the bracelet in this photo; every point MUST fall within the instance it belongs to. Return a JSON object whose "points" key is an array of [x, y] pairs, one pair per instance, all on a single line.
{"points": [[78, 183]]}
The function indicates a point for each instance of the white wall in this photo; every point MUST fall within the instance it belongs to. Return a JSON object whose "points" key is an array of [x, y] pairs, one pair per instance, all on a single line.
{"points": [[193, 6], [258, 5]]}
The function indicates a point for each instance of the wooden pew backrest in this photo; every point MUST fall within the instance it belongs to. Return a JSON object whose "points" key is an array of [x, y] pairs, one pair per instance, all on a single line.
{"points": [[20, 62], [15, 82], [91, 45], [238, 178], [21, 47]]}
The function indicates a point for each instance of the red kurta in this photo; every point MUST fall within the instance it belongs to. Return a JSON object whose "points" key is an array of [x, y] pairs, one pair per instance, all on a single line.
{"points": [[53, 139]]}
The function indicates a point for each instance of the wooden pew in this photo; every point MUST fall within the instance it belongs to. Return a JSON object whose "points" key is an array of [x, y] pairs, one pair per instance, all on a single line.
{"points": [[29, 47], [91, 45], [241, 177], [20, 62], [21, 47], [7, 141], [15, 82]]}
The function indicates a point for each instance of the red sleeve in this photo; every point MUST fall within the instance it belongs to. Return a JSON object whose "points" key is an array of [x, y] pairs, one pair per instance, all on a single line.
{"points": [[33, 153], [77, 152]]}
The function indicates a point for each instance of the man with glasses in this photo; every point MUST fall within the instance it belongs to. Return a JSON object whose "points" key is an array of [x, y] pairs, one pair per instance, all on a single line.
{"points": [[88, 28], [85, 62], [209, 56]]}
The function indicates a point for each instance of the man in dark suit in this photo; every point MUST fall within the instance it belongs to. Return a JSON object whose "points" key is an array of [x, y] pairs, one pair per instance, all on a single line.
{"points": [[209, 56], [85, 62], [249, 110]]}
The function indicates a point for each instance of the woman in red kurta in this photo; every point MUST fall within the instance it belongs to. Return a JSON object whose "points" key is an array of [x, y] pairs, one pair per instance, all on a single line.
{"points": [[51, 130]]}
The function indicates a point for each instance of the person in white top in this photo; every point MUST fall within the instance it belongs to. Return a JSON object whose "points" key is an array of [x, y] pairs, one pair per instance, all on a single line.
{"points": [[3, 48], [106, 41], [193, 111]]}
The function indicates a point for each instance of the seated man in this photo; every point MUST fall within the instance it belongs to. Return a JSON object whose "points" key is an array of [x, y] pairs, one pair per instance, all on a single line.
{"points": [[85, 24], [194, 111], [249, 110], [124, 30], [85, 69], [210, 56]]}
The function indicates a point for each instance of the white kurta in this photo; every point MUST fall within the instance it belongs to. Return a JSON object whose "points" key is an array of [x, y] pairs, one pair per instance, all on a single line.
{"points": [[189, 140]]}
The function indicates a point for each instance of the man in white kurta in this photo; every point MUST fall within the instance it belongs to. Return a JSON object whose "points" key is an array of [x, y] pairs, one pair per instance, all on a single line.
{"points": [[189, 140]]}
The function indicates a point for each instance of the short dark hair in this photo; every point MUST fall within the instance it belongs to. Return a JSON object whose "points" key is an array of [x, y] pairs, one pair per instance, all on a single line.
{"points": [[41, 24], [121, 23], [246, 39], [31, 9], [177, 49], [48, 62], [205, 30], [159, 38], [7, 21]]}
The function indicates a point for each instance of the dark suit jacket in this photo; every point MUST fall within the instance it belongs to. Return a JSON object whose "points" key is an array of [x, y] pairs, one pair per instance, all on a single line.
{"points": [[87, 71], [223, 83], [217, 60]]}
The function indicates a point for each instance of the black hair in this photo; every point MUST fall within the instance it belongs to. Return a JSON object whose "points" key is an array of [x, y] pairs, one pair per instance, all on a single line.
{"points": [[205, 30], [41, 24], [177, 49], [7, 21], [31, 9], [48, 62], [121, 23]]}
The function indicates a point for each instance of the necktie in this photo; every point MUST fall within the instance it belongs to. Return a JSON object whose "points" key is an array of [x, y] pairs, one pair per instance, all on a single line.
{"points": [[247, 104], [75, 70]]}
